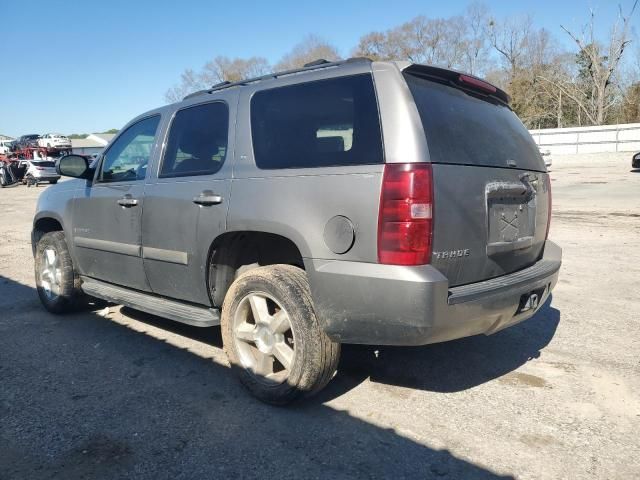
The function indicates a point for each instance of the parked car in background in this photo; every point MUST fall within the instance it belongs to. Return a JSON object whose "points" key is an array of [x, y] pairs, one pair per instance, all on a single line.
{"points": [[54, 140], [30, 140], [635, 161], [5, 146], [40, 171], [274, 208], [546, 156]]}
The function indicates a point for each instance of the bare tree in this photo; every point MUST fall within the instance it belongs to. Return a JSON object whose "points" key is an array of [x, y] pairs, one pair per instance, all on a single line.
{"points": [[375, 46], [224, 69], [220, 69], [190, 81], [310, 49], [601, 63], [510, 38], [436, 41], [548, 86], [477, 22]]}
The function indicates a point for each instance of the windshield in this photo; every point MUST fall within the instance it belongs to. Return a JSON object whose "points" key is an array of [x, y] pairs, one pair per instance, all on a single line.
{"points": [[468, 130]]}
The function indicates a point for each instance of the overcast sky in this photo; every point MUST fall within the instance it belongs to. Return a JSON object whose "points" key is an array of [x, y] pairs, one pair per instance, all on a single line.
{"points": [[91, 66]]}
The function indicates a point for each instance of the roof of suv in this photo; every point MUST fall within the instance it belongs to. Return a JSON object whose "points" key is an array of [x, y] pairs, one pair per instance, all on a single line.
{"points": [[448, 76], [315, 65]]}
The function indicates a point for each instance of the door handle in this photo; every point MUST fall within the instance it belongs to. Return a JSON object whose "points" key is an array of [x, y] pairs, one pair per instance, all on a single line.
{"points": [[207, 198], [127, 201]]}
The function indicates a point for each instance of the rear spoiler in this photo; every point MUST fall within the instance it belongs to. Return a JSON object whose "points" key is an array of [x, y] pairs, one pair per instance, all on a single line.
{"points": [[460, 80]]}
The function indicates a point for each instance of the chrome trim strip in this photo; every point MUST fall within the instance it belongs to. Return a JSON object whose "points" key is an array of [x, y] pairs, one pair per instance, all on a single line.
{"points": [[171, 256], [108, 246]]}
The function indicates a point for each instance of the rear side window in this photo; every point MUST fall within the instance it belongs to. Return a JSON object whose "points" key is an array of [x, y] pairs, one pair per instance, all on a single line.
{"points": [[468, 130], [317, 124], [197, 142]]}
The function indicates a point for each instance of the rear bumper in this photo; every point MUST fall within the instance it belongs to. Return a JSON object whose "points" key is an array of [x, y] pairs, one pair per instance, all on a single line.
{"points": [[47, 177], [393, 305]]}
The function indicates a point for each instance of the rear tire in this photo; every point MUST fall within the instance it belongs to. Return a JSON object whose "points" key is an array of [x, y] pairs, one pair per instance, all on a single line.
{"points": [[57, 283], [53, 182], [272, 337]]}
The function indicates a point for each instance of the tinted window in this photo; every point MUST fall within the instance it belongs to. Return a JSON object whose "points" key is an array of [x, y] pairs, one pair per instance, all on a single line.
{"points": [[197, 142], [464, 129], [128, 156], [317, 124]]}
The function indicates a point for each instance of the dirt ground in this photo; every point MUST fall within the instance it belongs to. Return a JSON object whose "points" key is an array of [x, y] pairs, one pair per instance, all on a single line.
{"points": [[117, 393]]}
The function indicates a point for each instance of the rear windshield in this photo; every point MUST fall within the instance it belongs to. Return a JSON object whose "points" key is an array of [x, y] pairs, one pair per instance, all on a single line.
{"points": [[468, 130], [44, 163]]}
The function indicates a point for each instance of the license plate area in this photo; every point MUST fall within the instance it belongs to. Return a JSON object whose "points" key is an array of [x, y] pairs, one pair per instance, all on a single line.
{"points": [[511, 215]]}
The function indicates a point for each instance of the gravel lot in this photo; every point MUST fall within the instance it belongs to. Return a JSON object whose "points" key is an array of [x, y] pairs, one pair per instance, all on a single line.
{"points": [[117, 393]]}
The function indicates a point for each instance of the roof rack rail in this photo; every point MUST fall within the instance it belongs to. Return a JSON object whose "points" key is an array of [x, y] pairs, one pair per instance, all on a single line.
{"points": [[315, 65], [221, 84], [320, 61]]}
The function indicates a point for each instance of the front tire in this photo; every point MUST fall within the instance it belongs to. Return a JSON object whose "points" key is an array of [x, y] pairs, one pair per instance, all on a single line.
{"points": [[57, 283], [272, 337]]}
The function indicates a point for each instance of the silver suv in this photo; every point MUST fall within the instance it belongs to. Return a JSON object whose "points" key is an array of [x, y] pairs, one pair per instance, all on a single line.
{"points": [[348, 202]]}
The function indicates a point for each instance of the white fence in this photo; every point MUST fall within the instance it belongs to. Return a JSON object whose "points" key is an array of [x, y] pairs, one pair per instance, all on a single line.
{"points": [[606, 138]]}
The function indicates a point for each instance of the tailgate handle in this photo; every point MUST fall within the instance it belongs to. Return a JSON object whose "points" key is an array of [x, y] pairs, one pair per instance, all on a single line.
{"points": [[506, 189], [531, 182], [526, 189]]}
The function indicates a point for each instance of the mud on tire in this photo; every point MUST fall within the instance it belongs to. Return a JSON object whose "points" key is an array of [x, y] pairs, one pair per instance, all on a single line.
{"points": [[316, 356]]}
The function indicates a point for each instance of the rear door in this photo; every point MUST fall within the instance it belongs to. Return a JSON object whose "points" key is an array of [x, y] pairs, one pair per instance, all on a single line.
{"points": [[187, 199], [491, 190]]}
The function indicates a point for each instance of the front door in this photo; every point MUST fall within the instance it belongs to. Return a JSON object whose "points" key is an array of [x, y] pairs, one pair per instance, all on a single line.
{"points": [[107, 216], [187, 199]]}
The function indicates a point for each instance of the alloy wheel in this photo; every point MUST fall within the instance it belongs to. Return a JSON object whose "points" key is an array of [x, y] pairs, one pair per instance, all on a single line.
{"points": [[264, 338], [50, 273]]}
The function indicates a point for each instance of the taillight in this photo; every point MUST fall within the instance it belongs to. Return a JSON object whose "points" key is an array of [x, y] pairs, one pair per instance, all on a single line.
{"points": [[405, 219], [549, 208]]}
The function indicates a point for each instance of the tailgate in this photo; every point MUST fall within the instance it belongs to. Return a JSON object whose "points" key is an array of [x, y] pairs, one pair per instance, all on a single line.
{"points": [[490, 186], [487, 221]]}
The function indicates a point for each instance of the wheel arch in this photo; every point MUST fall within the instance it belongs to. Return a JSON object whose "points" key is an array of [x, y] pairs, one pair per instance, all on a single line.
{"points": [[232, 253], [44, 222]]}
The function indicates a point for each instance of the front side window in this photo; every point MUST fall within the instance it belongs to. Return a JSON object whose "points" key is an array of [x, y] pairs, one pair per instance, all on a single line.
{"points": [[197, 143], [317, 124], [128, 157]]}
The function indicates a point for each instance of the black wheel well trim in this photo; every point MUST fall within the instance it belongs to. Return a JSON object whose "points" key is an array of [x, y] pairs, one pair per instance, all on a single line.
{"points": [[231, 251], [44, 224]]}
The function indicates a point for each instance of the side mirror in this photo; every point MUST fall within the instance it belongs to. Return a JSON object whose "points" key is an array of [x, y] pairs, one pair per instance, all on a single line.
{"points": [[75, 166]]}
